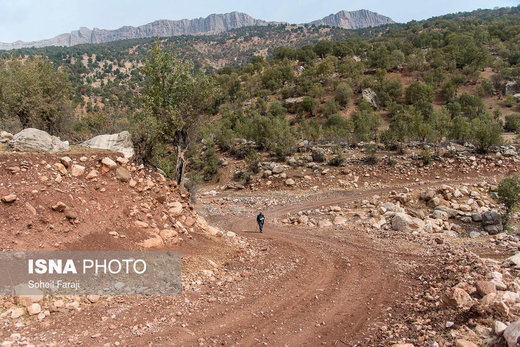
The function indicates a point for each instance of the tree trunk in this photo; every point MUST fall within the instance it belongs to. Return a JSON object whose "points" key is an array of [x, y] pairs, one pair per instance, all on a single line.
{"points": [[181, 164]]}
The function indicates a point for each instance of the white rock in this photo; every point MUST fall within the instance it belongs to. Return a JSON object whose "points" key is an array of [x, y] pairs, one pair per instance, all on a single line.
{"points": [[34, 140], [512, 334], [121, 142]]}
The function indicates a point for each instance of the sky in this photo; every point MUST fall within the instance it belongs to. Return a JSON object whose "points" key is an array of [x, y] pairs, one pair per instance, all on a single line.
{"points": [[30, 20]]}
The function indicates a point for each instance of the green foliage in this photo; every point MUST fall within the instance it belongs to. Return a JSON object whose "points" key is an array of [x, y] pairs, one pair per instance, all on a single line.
{"points": [[513, 122], [253, 159], [343, 94], [509, 193], [337, 157], [331, 107], [309, 105], [366, 125], [338, 127], [276, 109], [175, 96], [426, 156], [34, 93], [485, 133], [418, 91], [460, 130]]}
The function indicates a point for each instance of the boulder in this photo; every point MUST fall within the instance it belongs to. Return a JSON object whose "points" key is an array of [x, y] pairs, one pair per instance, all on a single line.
{"points": [[513, 261], [34, 140], [464, 343], [33, 309], [5, 136], [401, 222], [318, 155], [153, 242], [486, 287], [492, 222], [169, 236], [370, 96], [121, 142], [175, 209], [456, 297], [512, 334], [278, 169]]}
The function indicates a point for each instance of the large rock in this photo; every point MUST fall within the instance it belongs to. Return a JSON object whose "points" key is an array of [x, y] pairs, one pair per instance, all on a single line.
{"points": [[371, 97], [456, 297], [121, 142], [401, 222], [492, 222], [318, 155], [512, 334], [34, 140], [513, 260], [5, 136]]}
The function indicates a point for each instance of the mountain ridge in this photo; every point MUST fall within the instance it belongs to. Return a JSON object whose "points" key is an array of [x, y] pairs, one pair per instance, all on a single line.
{"points": [[212, 24]]}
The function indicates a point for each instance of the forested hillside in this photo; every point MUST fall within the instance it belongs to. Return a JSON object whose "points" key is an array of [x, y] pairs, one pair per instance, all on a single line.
{"points": [[448, 78]]}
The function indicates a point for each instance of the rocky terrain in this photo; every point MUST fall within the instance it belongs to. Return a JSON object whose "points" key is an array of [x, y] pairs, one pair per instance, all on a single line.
{"points": [[213, 24], [354, 19], [361, 255]]}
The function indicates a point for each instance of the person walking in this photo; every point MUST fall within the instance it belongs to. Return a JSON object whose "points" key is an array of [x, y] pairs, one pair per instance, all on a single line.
{"points": [[260, 220]]}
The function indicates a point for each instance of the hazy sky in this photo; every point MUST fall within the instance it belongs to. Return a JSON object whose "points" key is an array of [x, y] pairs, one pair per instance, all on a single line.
{"points": [[30, 20]]}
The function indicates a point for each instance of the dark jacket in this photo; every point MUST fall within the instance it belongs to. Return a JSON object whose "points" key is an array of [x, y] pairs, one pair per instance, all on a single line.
{"points": [[260, 219]]}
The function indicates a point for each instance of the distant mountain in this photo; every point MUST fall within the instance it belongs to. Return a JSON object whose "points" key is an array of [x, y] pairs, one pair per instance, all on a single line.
{"points": [[354, 20], [213, 24]]}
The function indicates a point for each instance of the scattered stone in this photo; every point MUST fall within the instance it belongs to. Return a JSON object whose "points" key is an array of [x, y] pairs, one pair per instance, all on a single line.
{"points": [[17, 312], [123, 174], [486, 287], [512, 334], [77, 170], [34, 309], [109, 163], [290, 182], [9, 198], [324, 223], [175, 209], [464, 343], [66, 161], [92, 174], [59, 206]]}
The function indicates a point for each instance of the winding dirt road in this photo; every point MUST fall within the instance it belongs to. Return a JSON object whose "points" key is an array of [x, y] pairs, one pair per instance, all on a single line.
{"points": [[342, 282]]}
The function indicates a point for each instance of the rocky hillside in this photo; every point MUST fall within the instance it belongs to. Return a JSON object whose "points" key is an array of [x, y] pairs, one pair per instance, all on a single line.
{"points": [[213, 24], [354, 19]]}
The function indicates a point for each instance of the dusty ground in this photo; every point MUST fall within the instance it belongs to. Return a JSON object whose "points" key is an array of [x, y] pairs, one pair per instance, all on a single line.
{"points": [[292, 286]]}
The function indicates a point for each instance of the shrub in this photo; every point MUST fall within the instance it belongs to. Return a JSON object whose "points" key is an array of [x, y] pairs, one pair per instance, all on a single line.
{"points": [[509, 193], [343, 94], [253, 159], [337, 158], [513, 122], [330, 108], [309, 105], [418, 91], [426, 156], [485, 133]]}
